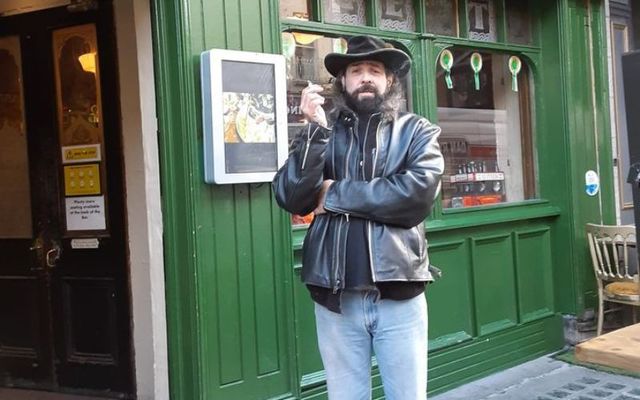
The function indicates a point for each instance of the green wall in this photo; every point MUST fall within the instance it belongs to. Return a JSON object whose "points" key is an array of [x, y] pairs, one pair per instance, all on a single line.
{"points": [[240, 322]]}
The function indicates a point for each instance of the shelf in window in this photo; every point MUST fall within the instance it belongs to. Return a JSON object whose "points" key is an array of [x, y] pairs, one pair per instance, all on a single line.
{"points": [[477, 177]]}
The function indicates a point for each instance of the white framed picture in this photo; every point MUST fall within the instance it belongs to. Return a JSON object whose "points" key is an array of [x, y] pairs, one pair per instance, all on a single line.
{"points": [[244, 113]]}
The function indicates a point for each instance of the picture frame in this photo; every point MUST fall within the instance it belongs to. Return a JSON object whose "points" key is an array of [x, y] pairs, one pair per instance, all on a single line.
{"points": [[244, 111]]}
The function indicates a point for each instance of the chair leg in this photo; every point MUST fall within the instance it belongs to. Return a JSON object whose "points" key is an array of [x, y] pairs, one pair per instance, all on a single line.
{"points": [[600, 316]]}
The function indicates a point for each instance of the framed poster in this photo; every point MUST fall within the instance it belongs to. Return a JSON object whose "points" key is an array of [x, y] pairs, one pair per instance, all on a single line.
{"points": [[244, 113]]}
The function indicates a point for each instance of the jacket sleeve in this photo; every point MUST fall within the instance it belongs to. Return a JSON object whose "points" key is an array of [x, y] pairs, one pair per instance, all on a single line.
{"points": [[297, 184], [404, 198]]}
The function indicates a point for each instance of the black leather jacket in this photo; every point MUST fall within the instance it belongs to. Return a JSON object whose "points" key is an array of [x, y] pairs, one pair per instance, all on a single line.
{"points": [[406, 180]]}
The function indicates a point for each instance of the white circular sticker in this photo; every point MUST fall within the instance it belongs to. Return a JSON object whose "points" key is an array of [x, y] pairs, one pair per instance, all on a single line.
{"points": [[592, 183]]}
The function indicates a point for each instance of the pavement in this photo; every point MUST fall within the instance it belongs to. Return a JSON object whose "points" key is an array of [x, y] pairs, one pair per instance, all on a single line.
{"points": [[546, 378]]}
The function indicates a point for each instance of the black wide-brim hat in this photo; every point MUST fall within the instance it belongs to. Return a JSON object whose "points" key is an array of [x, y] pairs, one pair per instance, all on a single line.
{"points": [[361, 48]]}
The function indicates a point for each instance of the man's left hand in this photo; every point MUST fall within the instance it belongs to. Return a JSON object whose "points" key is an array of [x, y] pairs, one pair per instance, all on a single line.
{"points": [[322, 196]]}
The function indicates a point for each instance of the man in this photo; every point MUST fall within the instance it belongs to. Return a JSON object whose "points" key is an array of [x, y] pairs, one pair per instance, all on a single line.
{"points": [[371, 180]]}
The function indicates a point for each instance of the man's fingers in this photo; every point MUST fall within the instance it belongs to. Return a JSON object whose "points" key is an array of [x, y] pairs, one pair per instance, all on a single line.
{"points": [[314, 88]]}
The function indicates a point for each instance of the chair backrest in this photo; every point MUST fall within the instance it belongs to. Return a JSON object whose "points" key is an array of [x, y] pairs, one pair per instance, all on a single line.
{"points": [[609, 246]]}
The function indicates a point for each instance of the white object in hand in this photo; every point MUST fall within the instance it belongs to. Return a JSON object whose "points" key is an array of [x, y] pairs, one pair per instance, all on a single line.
{"points": [[319, 114]]}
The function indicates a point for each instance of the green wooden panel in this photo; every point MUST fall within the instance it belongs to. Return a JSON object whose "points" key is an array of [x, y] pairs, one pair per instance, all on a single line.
{"points": [[309, 361], [494, 283], [534, 273], [451, 311]]}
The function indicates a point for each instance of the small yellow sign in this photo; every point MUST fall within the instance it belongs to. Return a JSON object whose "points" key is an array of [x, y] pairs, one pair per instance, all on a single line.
{"points": [[77, 154], [82, 180]]}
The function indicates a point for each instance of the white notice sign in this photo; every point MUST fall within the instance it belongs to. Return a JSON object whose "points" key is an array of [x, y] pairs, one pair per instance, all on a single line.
{"points": [[85, 213]]}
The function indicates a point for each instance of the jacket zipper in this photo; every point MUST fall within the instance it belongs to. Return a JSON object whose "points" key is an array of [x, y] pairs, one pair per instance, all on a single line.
{"points": [[341, 255], [306, 148], [369, 224]]}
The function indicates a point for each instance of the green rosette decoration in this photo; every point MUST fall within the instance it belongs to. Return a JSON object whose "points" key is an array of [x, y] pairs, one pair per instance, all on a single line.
{"points": [[446, 62], [476, 66], [515, 65]]}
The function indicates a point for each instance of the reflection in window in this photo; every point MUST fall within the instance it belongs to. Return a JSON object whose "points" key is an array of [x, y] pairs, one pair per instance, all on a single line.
{"points": [[15, 202], [486, 138], [442, 17], [347, 12], [294, 9], [482, 20], [397, 15], [518, 22]]}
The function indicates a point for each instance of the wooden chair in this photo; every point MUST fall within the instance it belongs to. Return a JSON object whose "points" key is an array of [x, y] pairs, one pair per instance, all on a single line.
{"points": [[609, 246]]}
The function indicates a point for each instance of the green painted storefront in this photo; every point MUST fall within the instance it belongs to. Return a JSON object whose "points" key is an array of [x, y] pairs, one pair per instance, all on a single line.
{"points": [[241, 323]]}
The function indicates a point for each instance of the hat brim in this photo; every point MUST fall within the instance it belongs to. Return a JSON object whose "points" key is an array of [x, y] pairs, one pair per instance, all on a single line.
{"points": [[396, 60]]}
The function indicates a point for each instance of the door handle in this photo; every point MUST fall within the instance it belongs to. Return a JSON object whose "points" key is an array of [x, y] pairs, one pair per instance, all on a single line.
{"points": [[53, 255]]}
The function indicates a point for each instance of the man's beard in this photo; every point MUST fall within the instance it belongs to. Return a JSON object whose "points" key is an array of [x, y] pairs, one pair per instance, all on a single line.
{"points": [[369, 104]]}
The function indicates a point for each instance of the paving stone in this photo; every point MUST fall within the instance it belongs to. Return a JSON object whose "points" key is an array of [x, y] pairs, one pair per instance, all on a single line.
{"points": [[613, 386], [559, 394], [625, 397], [600, 393], [573, 387], [589, 381]]}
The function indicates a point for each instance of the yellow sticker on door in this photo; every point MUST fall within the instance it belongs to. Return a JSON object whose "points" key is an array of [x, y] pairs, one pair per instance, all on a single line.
{"points": [[81, 180]]}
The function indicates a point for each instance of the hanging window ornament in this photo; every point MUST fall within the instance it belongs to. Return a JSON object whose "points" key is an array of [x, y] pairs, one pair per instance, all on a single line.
{"points": [[446, 62], [288, 45], [515, 65], [476, 66]]}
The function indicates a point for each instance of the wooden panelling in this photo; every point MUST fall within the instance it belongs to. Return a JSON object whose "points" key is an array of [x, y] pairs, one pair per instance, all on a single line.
{"points": [[451, 312], [91, 336], [534, 273], [494, 283]]}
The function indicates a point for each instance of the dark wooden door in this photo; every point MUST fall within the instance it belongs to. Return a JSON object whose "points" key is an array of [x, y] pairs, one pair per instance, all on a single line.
{"points": [[64, 293]]}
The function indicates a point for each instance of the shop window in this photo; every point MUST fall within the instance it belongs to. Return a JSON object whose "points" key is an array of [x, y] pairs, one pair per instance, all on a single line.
{"points": [[442, 17], [347, 12], [294, 9], [518, 22], [481, 19], [486, 135], [397, 15]]}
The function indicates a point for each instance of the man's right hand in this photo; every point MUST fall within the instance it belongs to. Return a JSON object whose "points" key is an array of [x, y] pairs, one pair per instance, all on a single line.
{"points": [[311, 104]]}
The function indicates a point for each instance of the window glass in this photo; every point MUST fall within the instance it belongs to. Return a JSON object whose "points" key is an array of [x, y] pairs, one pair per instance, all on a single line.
{"points": [[15, 202], [348, 12], [294, 9], [305, 54], [518, 22], [482, 20], [397, 15], [442, 17], [486, 138]]}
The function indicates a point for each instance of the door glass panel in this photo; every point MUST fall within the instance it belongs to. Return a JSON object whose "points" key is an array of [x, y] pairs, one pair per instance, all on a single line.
{"points": [[294, 9], [482, 20], [15, 202], [348, 12], [79, 110], [442, 17], [397, 15], [518, 22]]}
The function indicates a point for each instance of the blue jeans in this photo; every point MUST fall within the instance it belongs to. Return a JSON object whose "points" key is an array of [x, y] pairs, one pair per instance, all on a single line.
{"points": [[397, 332]]}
